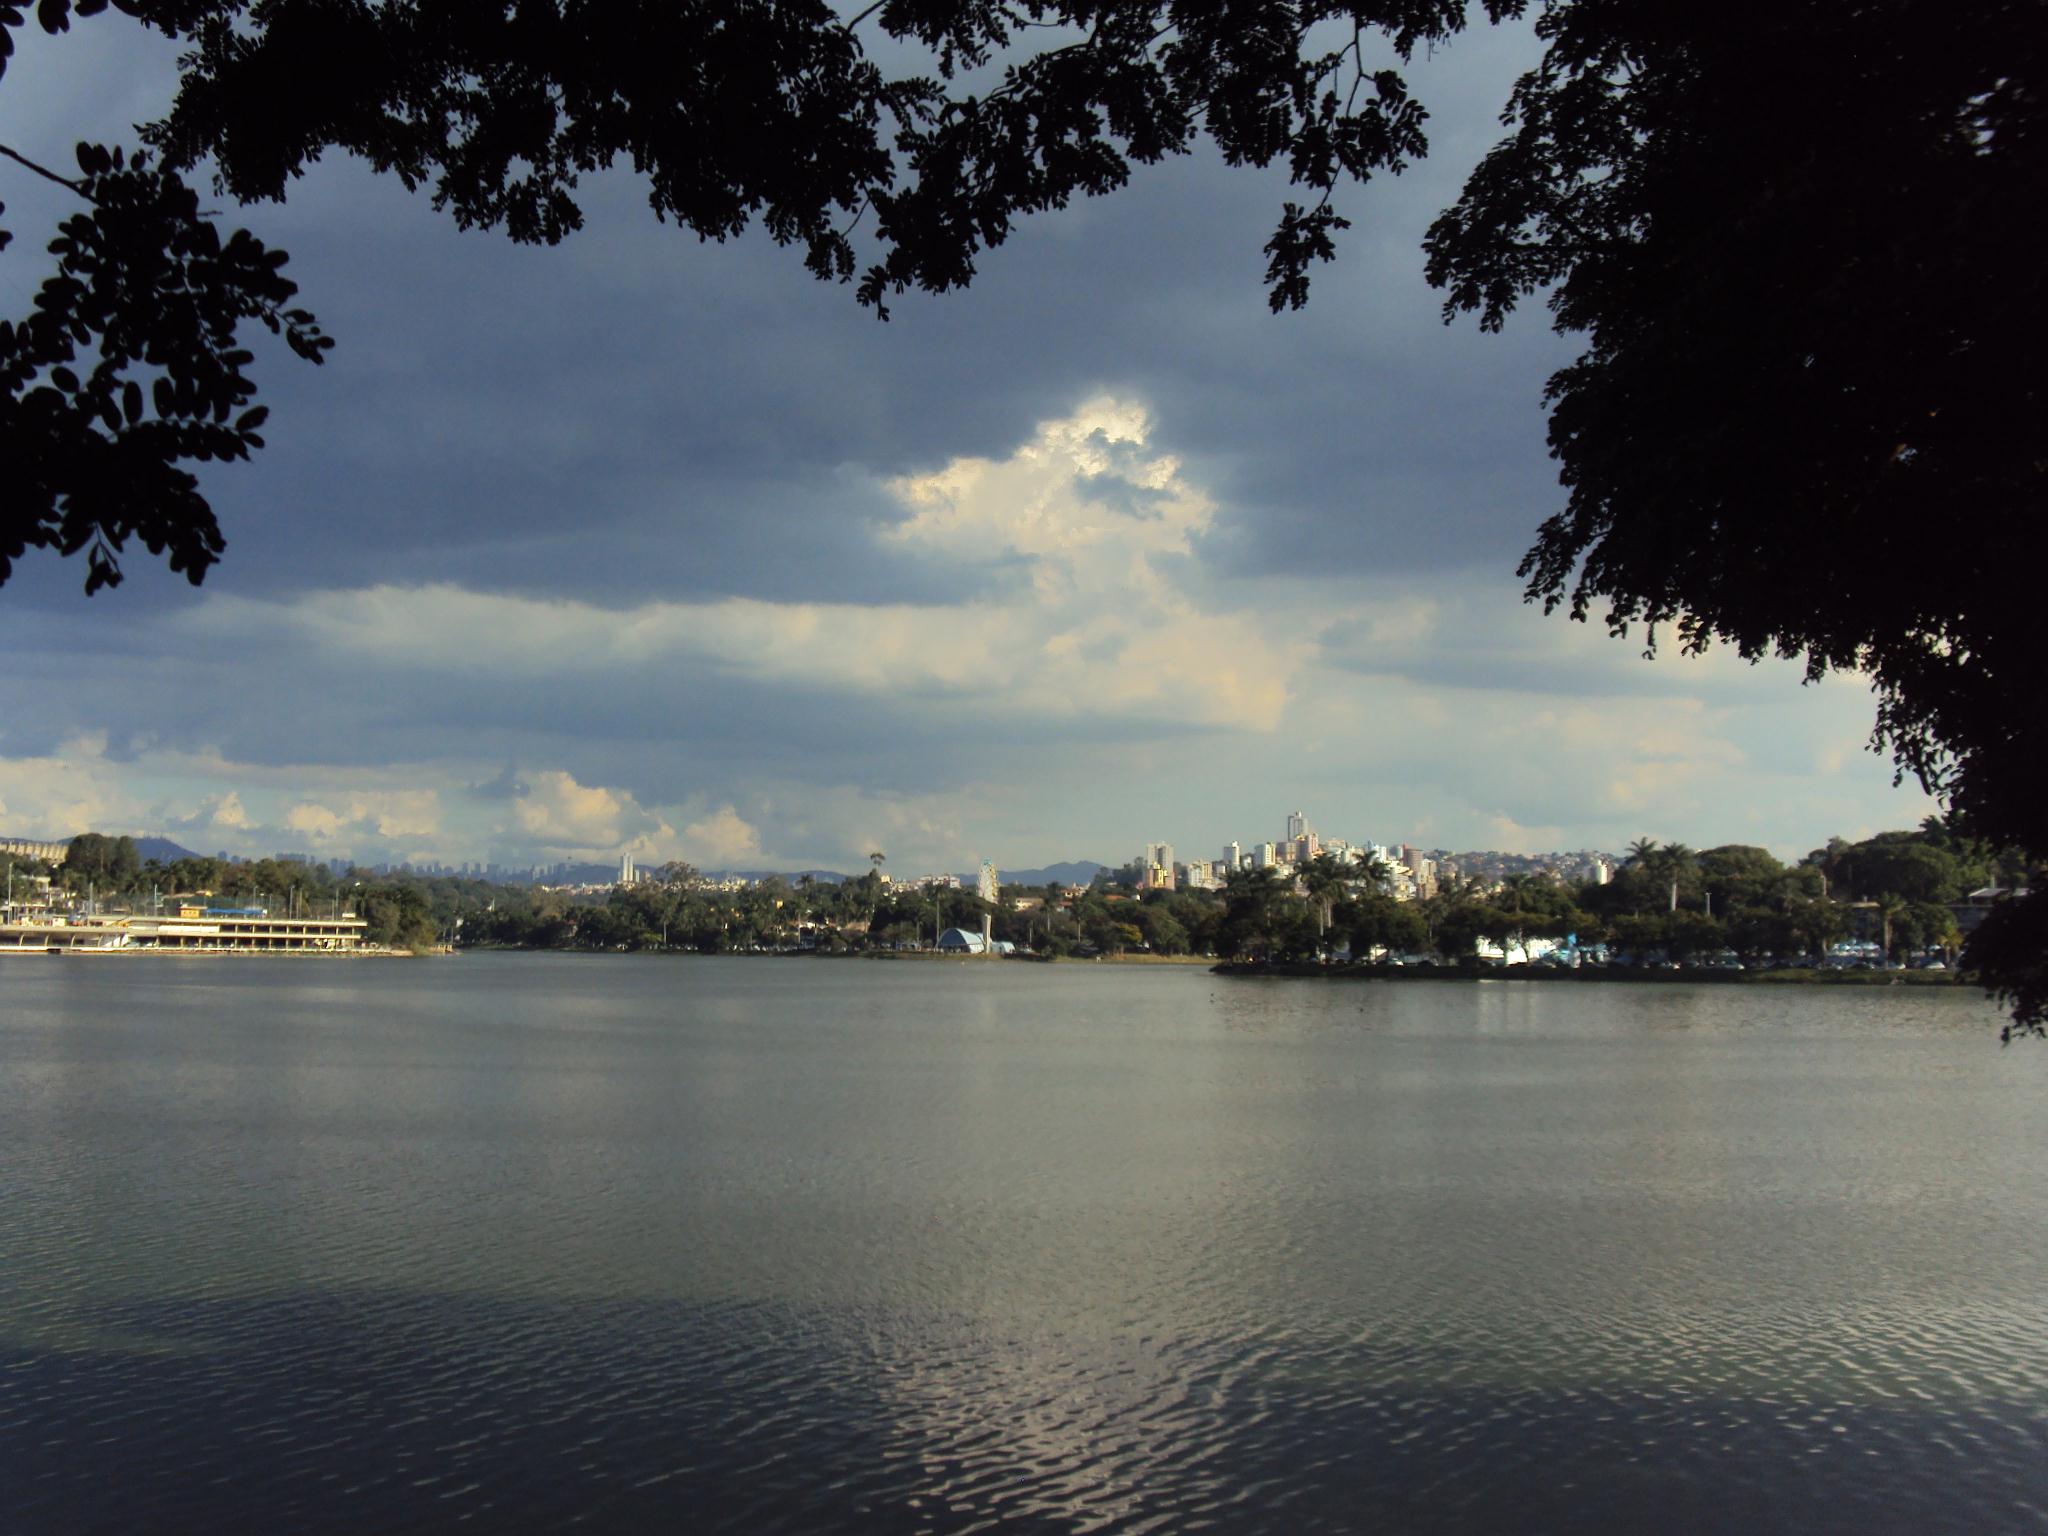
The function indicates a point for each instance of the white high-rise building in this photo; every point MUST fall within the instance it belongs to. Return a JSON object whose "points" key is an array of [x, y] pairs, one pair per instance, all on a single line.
{"points": [[1159, 855], [626, 871], [988, 887], [1297, 826], [1233, 856], [1266, 856]]}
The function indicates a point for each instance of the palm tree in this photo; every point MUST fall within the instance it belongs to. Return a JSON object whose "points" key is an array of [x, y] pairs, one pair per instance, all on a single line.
{"points": [[1514, 888], [875, 862], [1321, 879], [1640, 851], [1890, 908], [1053, 893]]}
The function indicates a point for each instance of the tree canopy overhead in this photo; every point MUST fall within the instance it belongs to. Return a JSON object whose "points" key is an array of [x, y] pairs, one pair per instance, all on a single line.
{"points": [[735, 112], [1800, 241]]}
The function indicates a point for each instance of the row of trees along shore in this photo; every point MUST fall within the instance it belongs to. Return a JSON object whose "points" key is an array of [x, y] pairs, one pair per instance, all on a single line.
{"points": [[1896, 889]]}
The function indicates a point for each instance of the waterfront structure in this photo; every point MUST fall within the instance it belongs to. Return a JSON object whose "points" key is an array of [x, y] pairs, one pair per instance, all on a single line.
{"points": [[241, 930], [963, 941], [29, 848]]}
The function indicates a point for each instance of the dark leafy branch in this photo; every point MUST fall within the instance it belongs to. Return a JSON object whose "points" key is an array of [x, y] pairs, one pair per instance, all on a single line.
{"points": [[1798, 240], [735, 112], [128, 368]]}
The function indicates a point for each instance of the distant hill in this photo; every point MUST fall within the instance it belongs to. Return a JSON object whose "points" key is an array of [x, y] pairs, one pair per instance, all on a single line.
{"points": [[162, 849], [787, 876], [1078, 872]]}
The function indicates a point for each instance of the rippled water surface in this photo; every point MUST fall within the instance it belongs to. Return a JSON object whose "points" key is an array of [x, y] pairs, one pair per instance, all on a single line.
{"points": [[617, 1244]]}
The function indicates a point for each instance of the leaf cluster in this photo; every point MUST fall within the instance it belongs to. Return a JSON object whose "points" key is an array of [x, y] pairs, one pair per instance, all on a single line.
{"points": [[128, 367], [774, 111]]}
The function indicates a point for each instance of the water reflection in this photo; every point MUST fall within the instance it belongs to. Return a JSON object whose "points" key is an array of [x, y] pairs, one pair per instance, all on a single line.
{"points": [[808, 1246]]}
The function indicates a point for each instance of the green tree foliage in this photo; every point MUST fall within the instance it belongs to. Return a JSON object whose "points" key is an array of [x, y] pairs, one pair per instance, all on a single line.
{"points": [[399, 916], [1799, 241], [1738, 876], [1323, 879], [110, 863], [1251, 901], [129, 367], [1163, 933], [1907, 864], [1645, 882], [1381, 923], [1462, 926]]}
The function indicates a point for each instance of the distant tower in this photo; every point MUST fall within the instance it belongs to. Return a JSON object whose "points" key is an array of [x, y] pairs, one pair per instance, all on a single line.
{"points": [[989, 888], [625, 869], [1297, 826], [1233, 856]]}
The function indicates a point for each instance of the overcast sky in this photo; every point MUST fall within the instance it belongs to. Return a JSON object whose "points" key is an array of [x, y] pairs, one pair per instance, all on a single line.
{"points": [[643, 545]]}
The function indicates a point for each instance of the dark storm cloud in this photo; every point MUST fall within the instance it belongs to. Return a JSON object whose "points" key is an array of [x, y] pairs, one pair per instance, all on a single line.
{"points": [[635, 414], [506, 785]]}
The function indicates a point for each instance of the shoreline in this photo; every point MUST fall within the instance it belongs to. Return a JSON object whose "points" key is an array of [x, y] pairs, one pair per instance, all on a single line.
{"points": [[88, 951], [1311, 970], [1253, 970], [1625, 975]]}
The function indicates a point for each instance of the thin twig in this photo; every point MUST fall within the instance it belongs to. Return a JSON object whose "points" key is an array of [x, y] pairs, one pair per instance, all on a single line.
{"points": [[46, 174]]}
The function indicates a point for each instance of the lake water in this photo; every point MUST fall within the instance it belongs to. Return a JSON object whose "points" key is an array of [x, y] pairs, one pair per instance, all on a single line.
{"points": [[619, 1244]]}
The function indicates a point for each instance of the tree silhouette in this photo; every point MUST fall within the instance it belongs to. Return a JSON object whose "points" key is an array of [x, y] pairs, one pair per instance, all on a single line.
{"points": [[775, 112], [1807, 421]]}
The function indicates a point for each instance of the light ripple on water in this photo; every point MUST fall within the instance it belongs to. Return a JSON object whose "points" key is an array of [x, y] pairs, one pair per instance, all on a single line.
{"points": [[336, 1412], [1243, 1269]]}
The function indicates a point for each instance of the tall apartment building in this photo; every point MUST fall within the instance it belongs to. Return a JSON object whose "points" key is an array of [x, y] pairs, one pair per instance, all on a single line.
{"points": [[987, 886], [1297, 826], [1157, 874], [1233, 856]]}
